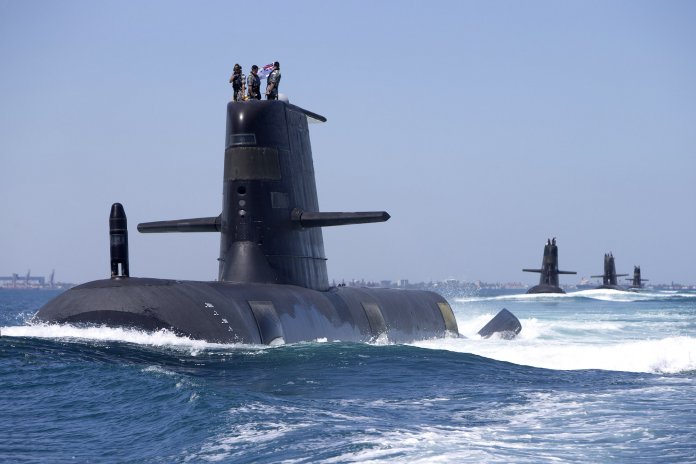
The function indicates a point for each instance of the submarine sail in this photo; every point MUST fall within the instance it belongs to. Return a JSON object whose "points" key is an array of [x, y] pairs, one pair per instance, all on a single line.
{"points": [[609, 278], [548, 280], [637, 280]]}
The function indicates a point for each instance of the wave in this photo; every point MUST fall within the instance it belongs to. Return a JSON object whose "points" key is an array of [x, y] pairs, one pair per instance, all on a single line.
{"points": [[539, 330], [549, 344], [563, 417], [163, 352], [593, 294], [656, 341], [160, 338], [669, 355]]}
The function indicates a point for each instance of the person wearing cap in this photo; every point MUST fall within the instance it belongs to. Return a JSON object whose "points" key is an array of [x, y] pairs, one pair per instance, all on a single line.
{"points": [[237, 81], [254, 84], [273, 82]]}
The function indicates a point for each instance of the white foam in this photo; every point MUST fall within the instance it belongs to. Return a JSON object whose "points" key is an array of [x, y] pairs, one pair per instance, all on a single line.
{"points": [[667, 355], [250, 426], [562, 424], [606, 294], [596, 294], [514, 297], [160, 338], [503, 435], [534, 328]]}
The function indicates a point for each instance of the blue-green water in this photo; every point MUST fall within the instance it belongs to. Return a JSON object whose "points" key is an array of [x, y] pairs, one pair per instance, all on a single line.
{"points": [[595, 376]]}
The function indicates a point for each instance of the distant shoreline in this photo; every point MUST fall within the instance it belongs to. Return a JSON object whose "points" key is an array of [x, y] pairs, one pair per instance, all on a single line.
{"points": [[449, 284]]}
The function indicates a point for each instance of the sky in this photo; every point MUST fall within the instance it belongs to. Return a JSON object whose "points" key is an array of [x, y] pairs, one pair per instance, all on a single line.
{"points": [[482, 127]]}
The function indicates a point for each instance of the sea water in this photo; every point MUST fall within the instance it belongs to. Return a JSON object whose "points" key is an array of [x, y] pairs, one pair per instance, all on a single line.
{"points": [[595, 376]]}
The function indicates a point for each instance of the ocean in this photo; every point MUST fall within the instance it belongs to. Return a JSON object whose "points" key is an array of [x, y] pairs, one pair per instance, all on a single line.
{"points": [[595, 376]]}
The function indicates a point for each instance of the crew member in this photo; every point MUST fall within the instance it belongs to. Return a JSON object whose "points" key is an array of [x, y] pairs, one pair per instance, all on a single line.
{"points": [[273, 82], [237, 81], [254, 84]]}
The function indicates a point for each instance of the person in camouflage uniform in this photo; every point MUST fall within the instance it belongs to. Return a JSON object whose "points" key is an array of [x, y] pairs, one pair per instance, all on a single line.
{"points": [[273, 82], [254, 84], [237, 81]]}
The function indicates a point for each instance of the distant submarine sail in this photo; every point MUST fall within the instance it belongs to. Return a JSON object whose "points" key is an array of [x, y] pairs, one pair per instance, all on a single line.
{"points": [[609, 278], [548, 280], [637, 280], [272, 284]]}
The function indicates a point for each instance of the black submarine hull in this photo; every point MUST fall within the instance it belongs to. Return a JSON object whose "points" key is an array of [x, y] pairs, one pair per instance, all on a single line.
{"points": [[272, 284], [226, 312], [612, 287], [545, 289]]}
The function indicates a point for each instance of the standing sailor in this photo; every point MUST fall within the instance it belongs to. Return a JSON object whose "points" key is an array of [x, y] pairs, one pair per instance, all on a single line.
{"points": [[273, 82], [237, 81], [254, 84]]}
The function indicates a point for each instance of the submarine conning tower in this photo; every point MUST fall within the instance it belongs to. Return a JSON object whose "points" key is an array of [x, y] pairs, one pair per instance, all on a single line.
{"points": [[637, 281], [548, 280], [270, 223], [269, 172], [609, 278]]}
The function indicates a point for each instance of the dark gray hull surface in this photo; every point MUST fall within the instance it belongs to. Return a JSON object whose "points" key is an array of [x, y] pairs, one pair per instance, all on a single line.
{"points": [[545, 289], [612, 287], [255, 313]]}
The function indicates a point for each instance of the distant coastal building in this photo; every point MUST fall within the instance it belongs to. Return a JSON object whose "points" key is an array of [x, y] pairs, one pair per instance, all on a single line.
{"points": [[29, 281], [452, 286]]}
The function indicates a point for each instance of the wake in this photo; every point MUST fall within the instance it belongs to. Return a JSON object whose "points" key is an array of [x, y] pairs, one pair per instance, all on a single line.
{"points": [[593, 294]]}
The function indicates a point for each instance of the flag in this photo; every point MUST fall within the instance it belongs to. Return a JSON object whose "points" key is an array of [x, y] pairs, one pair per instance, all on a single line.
{"points": [[265, 71]]}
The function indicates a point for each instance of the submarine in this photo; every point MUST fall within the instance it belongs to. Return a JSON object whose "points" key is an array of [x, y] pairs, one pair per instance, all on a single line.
{"points": [[272, 286], [548, 281], [636, 281], [609, 281]]}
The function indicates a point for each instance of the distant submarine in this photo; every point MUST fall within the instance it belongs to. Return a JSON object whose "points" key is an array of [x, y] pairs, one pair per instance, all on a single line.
{"points": [[272, 285], [548, 281], [609, 277], [637, 281]]}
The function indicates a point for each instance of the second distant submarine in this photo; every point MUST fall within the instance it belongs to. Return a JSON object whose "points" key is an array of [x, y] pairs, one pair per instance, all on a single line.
{"points": [[609, 281], [548, 281]]}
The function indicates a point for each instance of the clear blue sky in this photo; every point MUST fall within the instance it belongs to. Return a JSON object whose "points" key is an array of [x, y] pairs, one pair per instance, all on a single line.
{"points": [[482, 127]]}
